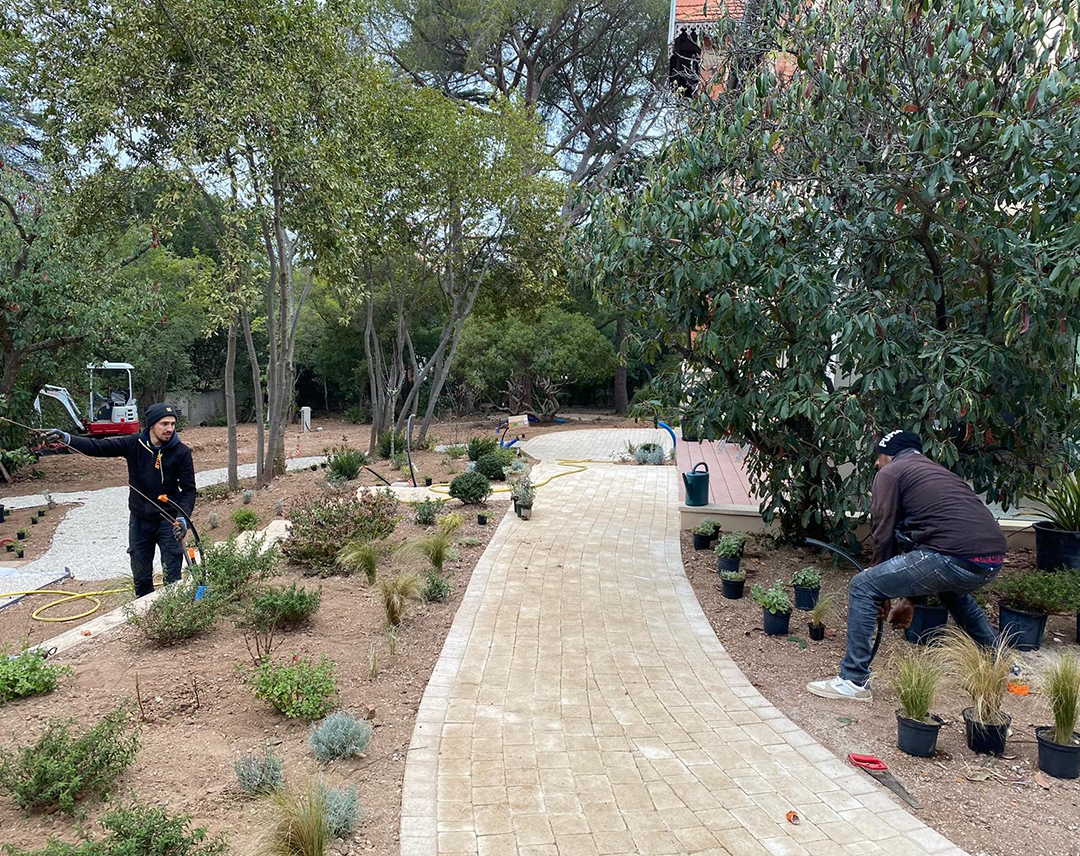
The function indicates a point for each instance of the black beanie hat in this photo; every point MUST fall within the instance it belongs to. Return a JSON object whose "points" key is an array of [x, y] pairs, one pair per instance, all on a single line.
{"points": [[895, 442], [157, 412]]}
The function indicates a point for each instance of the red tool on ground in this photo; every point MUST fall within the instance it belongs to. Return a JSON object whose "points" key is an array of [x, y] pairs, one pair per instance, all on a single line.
{"points": [[880, 771]]}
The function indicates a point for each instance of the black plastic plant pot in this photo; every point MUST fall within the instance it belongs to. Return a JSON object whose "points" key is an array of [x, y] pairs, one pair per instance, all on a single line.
{"points": [[732, 589], [427, 481], [1056, 759], [806, 598], [2, 513], [21, 536], [817, 631], [1055, 548], [927, 624], [725, 565], [702, 542], [984, 739], [10, 545], [1021, 630], [481, 519], [916, 737], [19, 553], [776, 624]]}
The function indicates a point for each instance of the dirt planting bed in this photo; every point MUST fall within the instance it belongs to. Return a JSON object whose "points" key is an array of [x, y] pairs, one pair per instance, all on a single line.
{"points": [[38, 535], [995, 807], [201, 716]]}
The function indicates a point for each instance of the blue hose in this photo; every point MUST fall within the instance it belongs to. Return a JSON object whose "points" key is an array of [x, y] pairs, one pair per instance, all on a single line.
{"points": [[667, 428]]}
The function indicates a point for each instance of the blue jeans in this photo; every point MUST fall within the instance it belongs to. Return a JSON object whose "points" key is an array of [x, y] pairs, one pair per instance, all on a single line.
{"points": [[913, 574], [143, 536]]}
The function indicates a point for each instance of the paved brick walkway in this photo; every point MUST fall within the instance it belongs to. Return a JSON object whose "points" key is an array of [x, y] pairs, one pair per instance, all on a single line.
{"points": [[594, 444], [582, 705]]}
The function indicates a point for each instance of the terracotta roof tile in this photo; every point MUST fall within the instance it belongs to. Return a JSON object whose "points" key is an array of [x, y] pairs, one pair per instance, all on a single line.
{"points": [[697, 11]]}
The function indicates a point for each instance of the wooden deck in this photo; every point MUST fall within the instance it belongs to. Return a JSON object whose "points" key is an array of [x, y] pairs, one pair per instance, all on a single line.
{"points": [[728, 484]]}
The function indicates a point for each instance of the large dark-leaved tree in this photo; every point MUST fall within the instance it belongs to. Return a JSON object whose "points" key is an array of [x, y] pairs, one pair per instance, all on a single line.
{"points": [[878, 227]]}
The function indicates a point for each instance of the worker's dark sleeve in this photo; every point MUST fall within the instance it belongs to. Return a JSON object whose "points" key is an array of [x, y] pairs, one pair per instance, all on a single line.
{"points": [[186, 481], [105, 447], [884, 512]]}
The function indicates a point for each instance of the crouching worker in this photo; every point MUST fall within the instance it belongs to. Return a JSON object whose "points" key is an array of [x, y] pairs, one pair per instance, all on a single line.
{"points": [[959, 548], [158, 463]]}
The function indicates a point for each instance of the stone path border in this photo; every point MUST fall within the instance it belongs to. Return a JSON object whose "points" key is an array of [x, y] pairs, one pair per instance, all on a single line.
{"points": [[582, 705]]}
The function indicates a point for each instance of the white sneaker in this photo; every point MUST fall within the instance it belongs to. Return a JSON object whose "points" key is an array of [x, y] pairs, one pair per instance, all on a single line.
{"points": [[841, 689]]}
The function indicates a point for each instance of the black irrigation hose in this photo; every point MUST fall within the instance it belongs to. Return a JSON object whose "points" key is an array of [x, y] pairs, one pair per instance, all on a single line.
{"points": [[859, 568]]}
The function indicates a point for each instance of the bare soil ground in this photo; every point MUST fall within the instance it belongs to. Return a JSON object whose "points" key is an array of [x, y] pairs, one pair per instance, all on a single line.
{"points": [[38, 535], [202, 717], [987, 806]]}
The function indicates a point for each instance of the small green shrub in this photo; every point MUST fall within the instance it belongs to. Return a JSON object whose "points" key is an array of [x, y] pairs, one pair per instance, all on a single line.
{"points": [[61, 768], [139, 830], [175, 616], [259, 775], [285, 608], [773, 598], [26, 674], [806, 578], [455, 452], [706, 527], [344, 463], [733, 576], [340, 735], [477, 447], [357, 415], [468, 541], [436, 588], [214, 492], [386, 438], [248, 496], [427, 511], [298, 688], [1040, 592], [730, 546], [494, 463], [321, 524], [342, 807], [230, 569], [400, 460], [451, 522], [245, 520], [471, 488]]}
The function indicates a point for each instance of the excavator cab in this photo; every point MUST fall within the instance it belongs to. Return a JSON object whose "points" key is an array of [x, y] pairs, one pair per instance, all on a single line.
{"points": [[112, 411]]}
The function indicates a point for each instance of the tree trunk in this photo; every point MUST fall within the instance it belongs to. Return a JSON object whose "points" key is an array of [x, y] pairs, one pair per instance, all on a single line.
{"points": [[230, 404], [257, 392], [620, 392]]}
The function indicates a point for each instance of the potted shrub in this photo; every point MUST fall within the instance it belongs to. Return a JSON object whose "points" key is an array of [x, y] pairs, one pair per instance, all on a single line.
{"points": [[481, 519], [33, 520], [982, 674], [704, 534], [41, 511], [775, 608], [19, 552], [821, 614], [928, 621], [21, 534], [807, 584], [526, 496], [10, 546], [1057, 538], [732, 584], [2, 512], [1026, 599], [1059, 744], [916, 675], [729, 550]]}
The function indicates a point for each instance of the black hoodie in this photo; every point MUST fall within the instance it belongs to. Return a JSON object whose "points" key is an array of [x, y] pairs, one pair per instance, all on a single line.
{"points": [[153, 470]]}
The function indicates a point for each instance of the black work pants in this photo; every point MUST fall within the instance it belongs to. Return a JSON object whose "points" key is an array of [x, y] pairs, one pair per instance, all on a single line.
{"points": [[144, 534]]}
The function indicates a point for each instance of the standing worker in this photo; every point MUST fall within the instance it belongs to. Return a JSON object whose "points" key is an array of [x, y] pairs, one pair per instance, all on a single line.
{"points": [[959, 548], [158, 464]]}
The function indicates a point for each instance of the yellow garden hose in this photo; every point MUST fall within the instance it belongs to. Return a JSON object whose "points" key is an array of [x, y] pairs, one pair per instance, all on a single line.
{"points": [[575, 466], [66, 596]]}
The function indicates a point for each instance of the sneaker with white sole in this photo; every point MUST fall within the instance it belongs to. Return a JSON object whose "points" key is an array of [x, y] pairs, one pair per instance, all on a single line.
{"points": [[840, 689]]}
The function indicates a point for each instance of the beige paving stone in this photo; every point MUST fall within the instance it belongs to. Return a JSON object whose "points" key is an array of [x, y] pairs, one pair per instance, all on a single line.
{"points": [[582, 704]]}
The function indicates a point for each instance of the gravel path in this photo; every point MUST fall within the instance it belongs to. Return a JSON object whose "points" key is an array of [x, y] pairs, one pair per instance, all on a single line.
{"points": [[91, 540]]}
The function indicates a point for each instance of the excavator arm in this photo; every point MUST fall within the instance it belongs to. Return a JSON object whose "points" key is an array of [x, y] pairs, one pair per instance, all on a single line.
{"points": [[61, 394]]}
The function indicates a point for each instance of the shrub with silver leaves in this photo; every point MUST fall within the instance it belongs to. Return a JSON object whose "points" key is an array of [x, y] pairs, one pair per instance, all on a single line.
{"points": [[342, 810], [340, 735], [259, 775]]}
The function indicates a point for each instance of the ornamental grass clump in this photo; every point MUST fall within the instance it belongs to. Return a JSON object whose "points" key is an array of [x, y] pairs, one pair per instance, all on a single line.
{"points": [[344, 464], [340, 735], [1063, 503], [825, 610], [361, 557], [295, 824], [398, 592], [982, 674], [916, 674], [259, 774], [1060, 684]]}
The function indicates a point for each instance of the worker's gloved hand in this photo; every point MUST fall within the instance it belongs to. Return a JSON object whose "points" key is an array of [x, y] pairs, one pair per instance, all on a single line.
{"points": [[55, 435], [180, 529], [901, 613]]}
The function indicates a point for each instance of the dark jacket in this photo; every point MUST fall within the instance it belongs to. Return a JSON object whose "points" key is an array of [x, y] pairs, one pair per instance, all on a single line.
{"points": [[152, 470], [937, 507]]}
